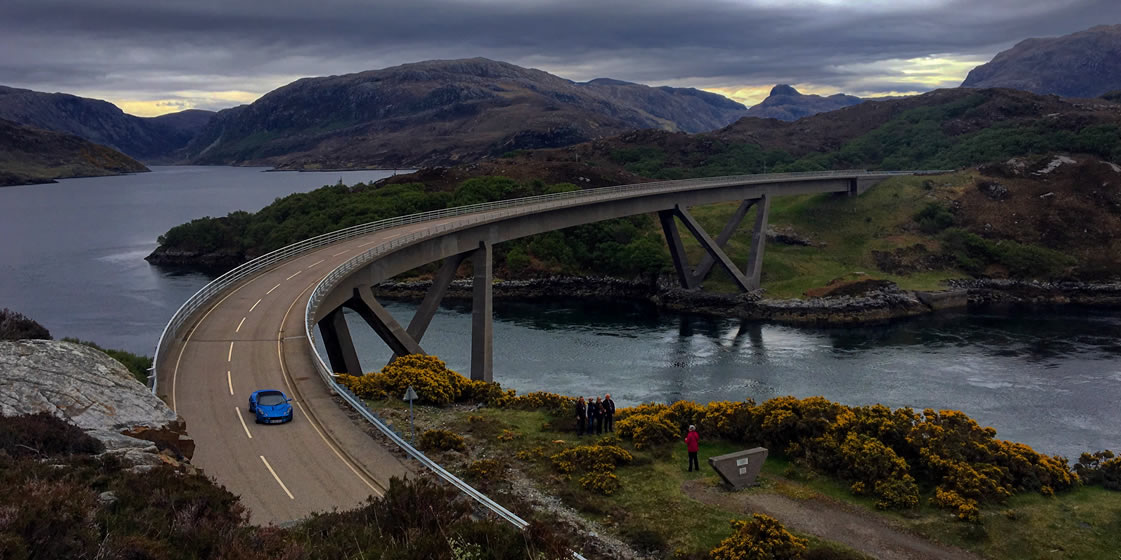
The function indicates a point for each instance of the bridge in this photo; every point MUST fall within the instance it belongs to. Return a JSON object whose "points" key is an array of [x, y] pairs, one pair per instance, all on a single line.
{"points": [[254, 327]]}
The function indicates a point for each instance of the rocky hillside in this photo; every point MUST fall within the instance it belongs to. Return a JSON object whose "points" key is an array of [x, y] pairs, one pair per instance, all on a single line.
{"points": [[788, 104], [442, 113], [30, 155], [1083, 64], [151, 140]]}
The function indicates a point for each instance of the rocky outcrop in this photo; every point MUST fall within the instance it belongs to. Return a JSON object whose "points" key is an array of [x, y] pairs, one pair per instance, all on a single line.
{"points": [[788, 104], [93, 391], [1032, 292], [1083, 64]]}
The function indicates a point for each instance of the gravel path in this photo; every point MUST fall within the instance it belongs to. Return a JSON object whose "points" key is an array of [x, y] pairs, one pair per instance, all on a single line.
{"points": [[828, 520]]}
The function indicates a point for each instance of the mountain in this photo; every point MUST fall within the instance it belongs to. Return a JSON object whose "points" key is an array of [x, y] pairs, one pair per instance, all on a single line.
{"points": [[787, 104], [30, 155], [442, 112], [152, 139], [1084, 64]]}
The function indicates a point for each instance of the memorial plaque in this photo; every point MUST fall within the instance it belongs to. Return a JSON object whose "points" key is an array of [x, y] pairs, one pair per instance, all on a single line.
{"points": [[739, 469]]}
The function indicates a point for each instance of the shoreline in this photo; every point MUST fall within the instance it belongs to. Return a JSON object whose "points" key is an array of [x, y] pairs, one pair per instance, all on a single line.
{"points": [[872, 307]]}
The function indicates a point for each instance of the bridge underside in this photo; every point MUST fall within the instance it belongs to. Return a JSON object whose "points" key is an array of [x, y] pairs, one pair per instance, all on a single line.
{"points": [[474, 242]]}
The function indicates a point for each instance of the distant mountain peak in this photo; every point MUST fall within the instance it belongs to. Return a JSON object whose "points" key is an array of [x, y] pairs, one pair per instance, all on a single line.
{"points": [[783, 89]]}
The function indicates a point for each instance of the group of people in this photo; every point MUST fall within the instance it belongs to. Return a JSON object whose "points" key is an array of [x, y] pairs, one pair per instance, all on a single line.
{"points": [[595, 417]]}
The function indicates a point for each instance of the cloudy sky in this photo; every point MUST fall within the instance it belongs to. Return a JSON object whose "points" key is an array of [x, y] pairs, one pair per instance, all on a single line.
{"points": [[158, 56]]}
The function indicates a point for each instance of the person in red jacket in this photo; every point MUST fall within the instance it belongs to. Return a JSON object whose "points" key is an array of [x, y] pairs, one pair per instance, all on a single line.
{"points": [[692, 445]]}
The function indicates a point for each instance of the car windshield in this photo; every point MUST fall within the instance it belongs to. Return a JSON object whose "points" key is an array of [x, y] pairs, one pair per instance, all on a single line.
{"points": [[270, 399]]}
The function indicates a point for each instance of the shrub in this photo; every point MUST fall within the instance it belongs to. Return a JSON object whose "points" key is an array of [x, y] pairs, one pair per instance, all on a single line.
{"points": [[647, 430], [43, 434], [443, 440], [1100, 469], [485, 469], [591, 458], [964, 508], [605, 483], [17, 326], [934, 218], [762, 538]]}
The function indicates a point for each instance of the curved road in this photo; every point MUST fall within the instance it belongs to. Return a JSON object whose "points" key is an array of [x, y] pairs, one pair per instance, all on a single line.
{"points": [[253, 338]]}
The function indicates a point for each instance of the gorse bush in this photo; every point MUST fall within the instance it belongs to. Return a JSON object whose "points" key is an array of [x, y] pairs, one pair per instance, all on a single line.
{"points": [[1100, 469], [761, 538], [442, 440], [886, 453], [17, 326]]}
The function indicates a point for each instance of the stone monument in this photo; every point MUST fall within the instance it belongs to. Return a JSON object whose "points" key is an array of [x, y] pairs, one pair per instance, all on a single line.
{"points": [[739, 469]]}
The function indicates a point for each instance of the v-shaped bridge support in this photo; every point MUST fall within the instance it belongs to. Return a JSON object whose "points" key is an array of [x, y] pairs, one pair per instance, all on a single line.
{"points": [[714, 249], [403, 341]]}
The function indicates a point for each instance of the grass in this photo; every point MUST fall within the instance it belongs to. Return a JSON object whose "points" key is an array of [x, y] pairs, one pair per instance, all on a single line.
{"points": [[847, 230], [651, 511]]}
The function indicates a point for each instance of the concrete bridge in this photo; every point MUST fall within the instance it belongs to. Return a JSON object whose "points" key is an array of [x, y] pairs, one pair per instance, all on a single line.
{"points": [[254, 328]]}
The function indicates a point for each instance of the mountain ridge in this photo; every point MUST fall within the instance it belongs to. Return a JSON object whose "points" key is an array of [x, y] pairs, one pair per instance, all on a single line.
{"points": [[30, 155], [788, 104]]}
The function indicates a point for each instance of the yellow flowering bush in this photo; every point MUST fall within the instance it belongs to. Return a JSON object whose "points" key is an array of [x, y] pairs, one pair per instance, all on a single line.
{"points": [[761, 538], [591, 458], [647, 430], [964, 508], [600, 482], [485, 469], [443, 440]]}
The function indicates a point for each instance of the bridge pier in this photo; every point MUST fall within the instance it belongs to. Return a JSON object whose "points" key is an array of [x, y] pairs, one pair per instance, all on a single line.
{"points": [[714, 249], [482, 314], [431, 302], [339, 344]]}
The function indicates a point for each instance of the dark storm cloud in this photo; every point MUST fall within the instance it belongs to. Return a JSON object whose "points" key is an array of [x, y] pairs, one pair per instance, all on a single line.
{"points": [[154, 48]]}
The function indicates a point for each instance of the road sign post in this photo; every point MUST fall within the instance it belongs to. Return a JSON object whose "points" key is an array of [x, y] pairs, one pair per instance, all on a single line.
{"points": [[410, 394]]}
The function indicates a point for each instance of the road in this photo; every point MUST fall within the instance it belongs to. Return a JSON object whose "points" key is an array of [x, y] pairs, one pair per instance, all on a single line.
{"points": [[253, 338]]}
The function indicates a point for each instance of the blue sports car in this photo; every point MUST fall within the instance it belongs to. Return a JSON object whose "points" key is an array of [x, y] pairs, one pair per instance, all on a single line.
{"points": [[270, 406]]}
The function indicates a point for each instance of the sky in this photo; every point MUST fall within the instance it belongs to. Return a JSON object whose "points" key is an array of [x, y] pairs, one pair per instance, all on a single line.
{"points": [[158, 56]]}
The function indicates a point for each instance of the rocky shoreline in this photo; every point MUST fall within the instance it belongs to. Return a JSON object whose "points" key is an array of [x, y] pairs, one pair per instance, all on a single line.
{"points": [[885, 302]]}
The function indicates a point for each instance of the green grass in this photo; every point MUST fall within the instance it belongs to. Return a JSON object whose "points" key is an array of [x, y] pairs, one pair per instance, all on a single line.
{"points": [[652, 509]]}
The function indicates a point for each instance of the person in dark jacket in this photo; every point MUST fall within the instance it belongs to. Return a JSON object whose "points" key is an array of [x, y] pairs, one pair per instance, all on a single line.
{"points": [[608, 413], [600, 413], [581, 416], [593, 415], [692, 445]]}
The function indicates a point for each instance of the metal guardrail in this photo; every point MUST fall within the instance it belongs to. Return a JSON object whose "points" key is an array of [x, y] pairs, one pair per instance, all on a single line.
{"points": [[482, 212]]}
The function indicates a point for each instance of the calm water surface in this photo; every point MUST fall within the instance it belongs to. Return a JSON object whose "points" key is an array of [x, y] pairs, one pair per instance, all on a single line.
{"points": [[72, 257]]}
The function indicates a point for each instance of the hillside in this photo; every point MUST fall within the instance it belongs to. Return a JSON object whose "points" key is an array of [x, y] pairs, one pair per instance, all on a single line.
{"points": [[442, 113], [153, 139], [30, 155], [788, 104], [1084, 64]]}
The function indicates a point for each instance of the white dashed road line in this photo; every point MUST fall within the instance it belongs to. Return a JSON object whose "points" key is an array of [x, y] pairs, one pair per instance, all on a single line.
{"points": [[230, 381], [278, 481], [294, 275], [255, 306], [315, 263], [341, 253], [238, 329], [230, 354], [237, 411], [271, 289]]}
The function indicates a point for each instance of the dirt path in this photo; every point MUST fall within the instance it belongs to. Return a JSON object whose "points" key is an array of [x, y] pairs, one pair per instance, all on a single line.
{"points": [[828, 520]]}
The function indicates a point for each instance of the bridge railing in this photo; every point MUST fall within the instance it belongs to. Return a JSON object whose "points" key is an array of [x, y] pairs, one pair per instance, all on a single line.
{"points": [[237, 274]]}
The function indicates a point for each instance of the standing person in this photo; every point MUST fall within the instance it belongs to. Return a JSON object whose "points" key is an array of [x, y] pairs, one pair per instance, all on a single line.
{"points": [[608, 413], [581, 416], [593, 413], [692, 445], [600, 412]]}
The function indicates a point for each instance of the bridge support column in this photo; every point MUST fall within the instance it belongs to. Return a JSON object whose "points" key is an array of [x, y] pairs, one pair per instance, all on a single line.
{"points": [[340, 347], [431, 302], [382, 322], [702, 270], [758, 241], [676, 250], [482, 314], [712, 248]]}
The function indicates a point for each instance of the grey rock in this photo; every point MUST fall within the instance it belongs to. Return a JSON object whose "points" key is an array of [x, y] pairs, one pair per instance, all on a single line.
{"points": [[107, 498]]}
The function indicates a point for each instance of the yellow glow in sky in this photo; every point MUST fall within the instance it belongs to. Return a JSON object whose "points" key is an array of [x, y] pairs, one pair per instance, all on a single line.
{"points": [[181, 101]]}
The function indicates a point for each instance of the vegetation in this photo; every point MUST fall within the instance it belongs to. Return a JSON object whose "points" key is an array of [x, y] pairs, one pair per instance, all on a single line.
{"points": [[911, 467], [137, 365], [17, 326], [61, 500]]}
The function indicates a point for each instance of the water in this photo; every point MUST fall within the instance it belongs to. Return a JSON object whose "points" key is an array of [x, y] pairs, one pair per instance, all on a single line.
{"points": [[1049, 379], [71, 257], [72, 253]]}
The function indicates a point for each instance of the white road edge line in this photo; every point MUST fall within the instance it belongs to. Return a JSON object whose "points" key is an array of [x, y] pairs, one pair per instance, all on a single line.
{"points": [[285, 375], [271, 289], [230, 354], [255, 305], [230, 381], [294, 275], [278, 481], [238, 329], [316, 262], [243, 425]]}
